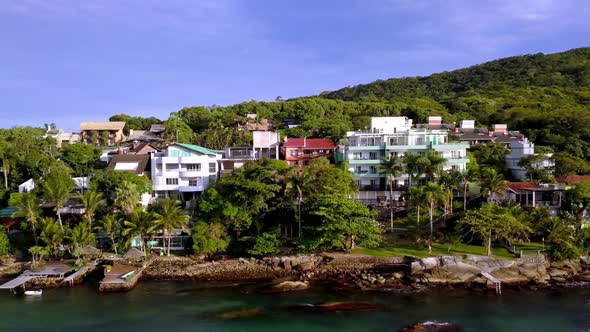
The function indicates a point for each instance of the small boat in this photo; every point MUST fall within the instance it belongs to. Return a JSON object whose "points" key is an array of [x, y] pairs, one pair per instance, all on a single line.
{"points": [[34, 292]]}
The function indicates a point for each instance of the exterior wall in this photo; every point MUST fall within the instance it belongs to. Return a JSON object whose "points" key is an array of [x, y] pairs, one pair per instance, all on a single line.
{"points": [[182, 173], [116, 136]]}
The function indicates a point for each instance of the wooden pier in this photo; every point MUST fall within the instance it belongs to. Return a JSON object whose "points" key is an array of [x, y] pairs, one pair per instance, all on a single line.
{"points": [[496, 282]]}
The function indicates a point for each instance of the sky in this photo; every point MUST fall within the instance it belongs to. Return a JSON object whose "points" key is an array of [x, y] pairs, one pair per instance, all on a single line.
{"points": [[67, 61]]}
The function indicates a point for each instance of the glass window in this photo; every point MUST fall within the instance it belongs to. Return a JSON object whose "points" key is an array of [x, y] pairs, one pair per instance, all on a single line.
{"points": [[174, 153], [194, 182], [193, 167], [294, 153], [212, 168], [172, 181]]}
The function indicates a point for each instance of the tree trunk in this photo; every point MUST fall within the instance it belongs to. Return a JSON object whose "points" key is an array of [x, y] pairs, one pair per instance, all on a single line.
{"points": [[34, 230], [465, 196], [5, 177], [144, 244], [490, 243], [418, 215], [391, 204], [299, 216], [169, 242], [57, 207], [114, 244], [430, 212]]}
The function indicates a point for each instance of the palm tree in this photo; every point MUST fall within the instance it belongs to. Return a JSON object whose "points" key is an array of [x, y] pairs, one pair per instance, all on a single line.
{"points": [[140, 224], [391, 168], [92, 201], [492, 184], [296, 183], [434, 194], [127, 197], [110, 225], [450, 181], [169, 216], [415, 165], [80, 236], [416, 199], [435, 164], [52, 234], [5, 161], [467, 176], [28, 208], [57, 190]]}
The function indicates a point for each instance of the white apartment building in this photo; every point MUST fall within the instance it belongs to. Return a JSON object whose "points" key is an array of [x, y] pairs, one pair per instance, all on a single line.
{"points": [[519, 150], [183, 171], [395, 136]]}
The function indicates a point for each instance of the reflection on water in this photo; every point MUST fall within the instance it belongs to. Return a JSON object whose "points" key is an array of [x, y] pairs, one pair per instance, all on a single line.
{"points": [[192, 306]]}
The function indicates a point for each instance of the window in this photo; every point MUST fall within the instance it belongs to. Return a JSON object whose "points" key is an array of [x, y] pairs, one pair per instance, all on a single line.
{"points": [[193, 167], [172, 181], [194, 182], [174, 153], [358, 169], [321, 151], [372, 155], [186, 154], [294, 153], [212, 168]]}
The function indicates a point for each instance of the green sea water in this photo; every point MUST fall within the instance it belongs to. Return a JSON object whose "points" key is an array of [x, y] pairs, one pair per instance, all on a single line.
{"points": [[192, 306]]}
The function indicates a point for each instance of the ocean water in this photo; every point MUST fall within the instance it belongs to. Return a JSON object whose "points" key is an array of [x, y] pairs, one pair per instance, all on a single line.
{"points": [[192, 306]]}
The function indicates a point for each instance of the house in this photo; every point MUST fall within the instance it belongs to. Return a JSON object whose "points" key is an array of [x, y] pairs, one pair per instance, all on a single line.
{"points": [[102, 133], [299, 151], [255, 124], [142, 148], [62, 137], [135, 163], [157, 130], [143, 136], [80, 184], [521, 149], [530, 195], [396, 136], [265, 145], [183, 171], [468, 133]]}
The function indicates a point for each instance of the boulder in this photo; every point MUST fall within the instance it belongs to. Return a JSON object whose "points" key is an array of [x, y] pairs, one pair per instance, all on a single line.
{"points": [[289, 286], [305, 266], [557, 273], [583, 277]]}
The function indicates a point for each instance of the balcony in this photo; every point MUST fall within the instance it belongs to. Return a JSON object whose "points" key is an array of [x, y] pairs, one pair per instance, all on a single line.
{"points": [[186, 173], [365, 147], [364, 161], [450, 146], [368, 175], [406, 147], [188, 189]]}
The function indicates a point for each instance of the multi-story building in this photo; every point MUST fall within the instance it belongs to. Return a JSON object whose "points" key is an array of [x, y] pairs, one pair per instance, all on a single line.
{"points": [[102, 133], [519, 150], [299, 151], [265, 145], [183, 171], [395, 136]]}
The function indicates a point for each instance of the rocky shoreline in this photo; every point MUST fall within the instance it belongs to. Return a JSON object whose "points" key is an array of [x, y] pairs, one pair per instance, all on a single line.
{"points": [[357, 272]]}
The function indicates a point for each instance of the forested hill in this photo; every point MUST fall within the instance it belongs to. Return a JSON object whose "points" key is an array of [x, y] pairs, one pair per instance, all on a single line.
{"points": [[566, 69]]}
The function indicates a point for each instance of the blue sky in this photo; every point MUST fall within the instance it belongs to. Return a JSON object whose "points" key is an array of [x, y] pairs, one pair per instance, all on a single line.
{"points": [[67, 61]]}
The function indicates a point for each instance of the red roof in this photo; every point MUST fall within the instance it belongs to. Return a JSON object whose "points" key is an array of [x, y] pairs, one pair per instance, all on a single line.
{"points": [[309, 143], [517, 186], [573, 179]]}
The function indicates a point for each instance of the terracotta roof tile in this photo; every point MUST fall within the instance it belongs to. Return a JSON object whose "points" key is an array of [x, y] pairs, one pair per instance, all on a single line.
{"points": [[309, 143], [573, 179]]}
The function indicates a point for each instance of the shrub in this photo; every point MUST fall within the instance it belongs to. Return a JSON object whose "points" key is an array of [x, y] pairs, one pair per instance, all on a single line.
{"points": [[266, 244], [5, 248]]}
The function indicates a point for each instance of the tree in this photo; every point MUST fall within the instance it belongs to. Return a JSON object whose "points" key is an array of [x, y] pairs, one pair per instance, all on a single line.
{"points": [[92, 201], [140, 224], [6, 160], [415, 165], [492, 184], [297, 181], [28, 208], [341, 223], [111, 226], [37, 254], [492, 223], [57, 188], [562, 240], [127, 197], [533, 164], [391, 168], [266, 244], [5, 248], [491, 155], [434, 194], [450, 181], [568, 164], [169, 216], [434, 167], [416, 199], [209, 238], [81, 236], [576, 201], [82, 158], [53, 235]]}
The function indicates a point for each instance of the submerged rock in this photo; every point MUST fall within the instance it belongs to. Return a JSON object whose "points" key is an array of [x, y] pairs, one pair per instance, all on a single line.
{"points": [[433, 327], [288, 286], [240, 313]]}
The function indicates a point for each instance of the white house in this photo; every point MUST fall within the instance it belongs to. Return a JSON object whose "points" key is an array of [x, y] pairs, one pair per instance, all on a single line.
{"points": [[183, 171], [519, 150], [395, 136], [81, 185]]}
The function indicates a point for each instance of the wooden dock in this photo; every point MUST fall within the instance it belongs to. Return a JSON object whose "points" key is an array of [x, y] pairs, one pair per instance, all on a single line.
{"points": [[122, 277], [18, 281]]}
